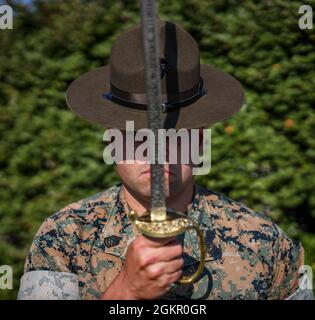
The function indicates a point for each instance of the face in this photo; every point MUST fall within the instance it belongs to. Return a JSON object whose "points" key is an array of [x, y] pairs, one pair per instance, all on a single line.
{"points": [[136, 177]]}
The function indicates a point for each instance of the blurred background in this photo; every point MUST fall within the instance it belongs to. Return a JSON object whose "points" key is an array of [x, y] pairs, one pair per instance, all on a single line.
{"points": [[263, 156]]}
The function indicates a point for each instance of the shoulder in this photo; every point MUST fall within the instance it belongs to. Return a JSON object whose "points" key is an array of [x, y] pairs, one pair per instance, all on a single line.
{"points": [[249, 228], [61, 235], [88, 210], [80, 217], [255, 234], [230, 212]]}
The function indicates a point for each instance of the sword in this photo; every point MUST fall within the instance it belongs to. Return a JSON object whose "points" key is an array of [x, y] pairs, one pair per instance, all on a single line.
{"points": [[160, 222]]}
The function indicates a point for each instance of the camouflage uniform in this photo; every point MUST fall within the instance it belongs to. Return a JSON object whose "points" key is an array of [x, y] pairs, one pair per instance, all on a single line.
{"points": [[247, 255]]}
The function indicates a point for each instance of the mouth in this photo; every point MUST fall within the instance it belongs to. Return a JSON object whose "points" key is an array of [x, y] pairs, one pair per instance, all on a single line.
{"points": [[166, 172]]}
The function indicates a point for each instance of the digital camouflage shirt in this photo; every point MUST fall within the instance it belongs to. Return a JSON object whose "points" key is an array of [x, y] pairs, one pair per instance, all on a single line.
{"points": [[85, 245]]}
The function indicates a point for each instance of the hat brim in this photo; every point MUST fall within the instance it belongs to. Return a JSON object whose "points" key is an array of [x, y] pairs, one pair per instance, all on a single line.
{"points": [[224, 97]]}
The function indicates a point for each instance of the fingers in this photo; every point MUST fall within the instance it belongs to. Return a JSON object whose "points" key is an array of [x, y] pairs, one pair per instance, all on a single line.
{"points": [[167, 279], [163, 268], [157, 242], [148, 255], [168, 252], [152, 265]]}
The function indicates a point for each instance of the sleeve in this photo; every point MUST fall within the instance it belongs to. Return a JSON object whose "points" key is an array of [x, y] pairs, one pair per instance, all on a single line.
{"points": [[288, 263], [49, 250], [48, 272]]}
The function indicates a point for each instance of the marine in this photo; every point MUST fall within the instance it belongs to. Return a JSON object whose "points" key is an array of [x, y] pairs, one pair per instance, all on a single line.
{"points": [[248, 256], [90, 249]]}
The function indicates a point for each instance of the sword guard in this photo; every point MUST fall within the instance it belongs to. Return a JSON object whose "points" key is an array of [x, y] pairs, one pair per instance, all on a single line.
{"points": [[175, 224]]}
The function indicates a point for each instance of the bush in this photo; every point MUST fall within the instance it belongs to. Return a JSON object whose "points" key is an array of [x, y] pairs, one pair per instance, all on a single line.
{"points": [[263, 156]]}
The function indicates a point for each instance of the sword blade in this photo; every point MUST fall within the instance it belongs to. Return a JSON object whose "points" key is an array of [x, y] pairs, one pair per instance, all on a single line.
{"points": [[151, 48]]}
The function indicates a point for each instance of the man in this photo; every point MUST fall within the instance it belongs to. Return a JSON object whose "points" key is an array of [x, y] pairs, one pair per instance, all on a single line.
{"points": [[91, 250]]}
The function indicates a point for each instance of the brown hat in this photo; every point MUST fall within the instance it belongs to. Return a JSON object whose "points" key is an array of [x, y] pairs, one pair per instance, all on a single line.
{"points": [[192, 95]]}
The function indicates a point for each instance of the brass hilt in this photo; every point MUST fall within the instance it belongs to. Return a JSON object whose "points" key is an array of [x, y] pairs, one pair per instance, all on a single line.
{"points": [[175, 224]]}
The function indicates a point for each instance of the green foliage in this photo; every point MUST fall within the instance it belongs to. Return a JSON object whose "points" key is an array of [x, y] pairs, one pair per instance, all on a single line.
{"points": [[263, 156]]}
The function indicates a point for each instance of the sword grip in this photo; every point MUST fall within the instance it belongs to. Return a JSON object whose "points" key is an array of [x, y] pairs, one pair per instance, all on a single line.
{"points": [[175, 224]]}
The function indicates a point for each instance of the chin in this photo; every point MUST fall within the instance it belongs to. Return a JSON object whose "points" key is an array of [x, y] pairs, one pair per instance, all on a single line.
{"points": [[145, 191]]}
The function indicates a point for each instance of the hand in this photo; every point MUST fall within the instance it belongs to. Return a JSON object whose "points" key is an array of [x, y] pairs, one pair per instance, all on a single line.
{"points": [[151, 266]]}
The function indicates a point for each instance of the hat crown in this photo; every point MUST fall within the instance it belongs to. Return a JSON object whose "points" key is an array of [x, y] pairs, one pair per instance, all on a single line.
{"points": [[179, 57]]}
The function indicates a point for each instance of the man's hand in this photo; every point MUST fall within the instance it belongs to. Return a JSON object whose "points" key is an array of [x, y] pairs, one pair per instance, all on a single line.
{"points": [[151, 266]]}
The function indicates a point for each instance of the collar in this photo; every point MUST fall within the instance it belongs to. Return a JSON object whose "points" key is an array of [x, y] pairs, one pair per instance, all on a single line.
{"points": [[120, 225]]}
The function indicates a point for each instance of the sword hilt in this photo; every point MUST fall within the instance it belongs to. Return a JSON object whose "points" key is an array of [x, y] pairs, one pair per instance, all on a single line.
{"points": [[175, 224]]}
